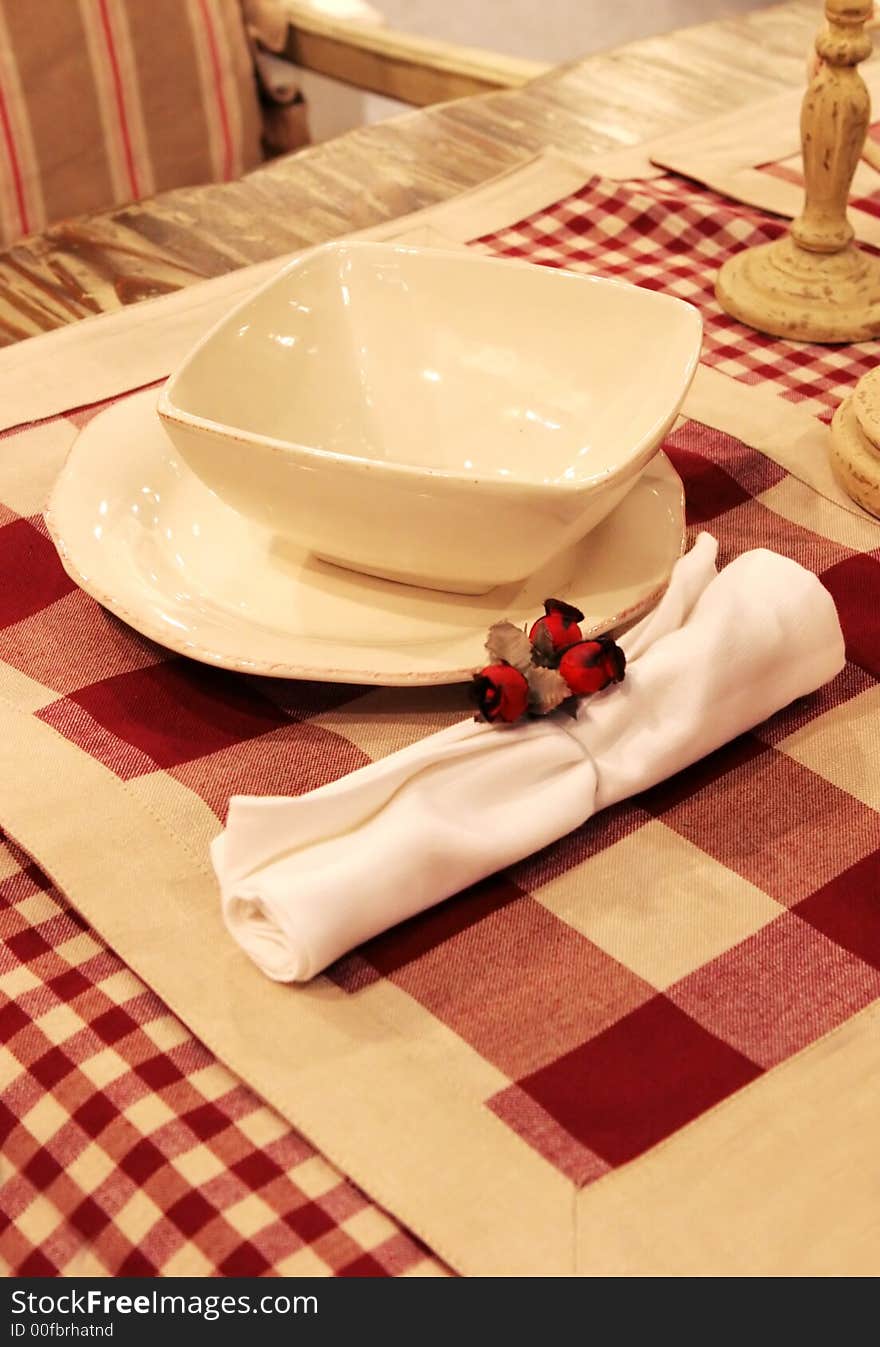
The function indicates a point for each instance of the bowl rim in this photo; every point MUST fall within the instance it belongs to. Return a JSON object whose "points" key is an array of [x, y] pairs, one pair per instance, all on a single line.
{"points": [[171, 411]]}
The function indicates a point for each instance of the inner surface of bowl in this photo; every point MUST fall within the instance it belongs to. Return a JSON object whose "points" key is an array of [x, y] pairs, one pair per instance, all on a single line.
{"points": [[449, 362]]}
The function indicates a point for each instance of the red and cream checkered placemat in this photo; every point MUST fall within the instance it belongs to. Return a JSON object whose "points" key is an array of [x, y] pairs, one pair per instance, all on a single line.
{"points": [[539, 1074], [129, 1150]]}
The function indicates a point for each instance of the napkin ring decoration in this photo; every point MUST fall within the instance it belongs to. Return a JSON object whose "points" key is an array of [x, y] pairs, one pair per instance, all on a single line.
{"points": [[550, 667]]}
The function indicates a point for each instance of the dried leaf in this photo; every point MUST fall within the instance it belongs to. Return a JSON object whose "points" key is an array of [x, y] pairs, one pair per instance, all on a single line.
{"points": [[507, 644], [547, 689]]}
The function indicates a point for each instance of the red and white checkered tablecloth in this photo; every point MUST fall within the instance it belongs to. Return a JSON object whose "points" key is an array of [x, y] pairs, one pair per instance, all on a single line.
{"points": [[595, 1001], [128, 1149], [672, 235]]}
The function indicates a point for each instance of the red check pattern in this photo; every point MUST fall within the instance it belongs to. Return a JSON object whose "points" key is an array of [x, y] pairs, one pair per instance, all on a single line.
{"points": [[128, 1150], [634, 975], [672, 235]]}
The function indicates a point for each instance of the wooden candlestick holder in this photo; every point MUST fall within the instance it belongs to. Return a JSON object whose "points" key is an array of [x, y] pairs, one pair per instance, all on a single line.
{"points": [[855, 443], [815, 284]]}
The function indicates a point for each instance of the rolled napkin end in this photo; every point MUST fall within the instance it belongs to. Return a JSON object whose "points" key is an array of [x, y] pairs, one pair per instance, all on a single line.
{"points": [[254, 926], [305, 880]]}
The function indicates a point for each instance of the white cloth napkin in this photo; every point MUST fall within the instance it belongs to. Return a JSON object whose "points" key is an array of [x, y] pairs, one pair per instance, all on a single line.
{"points": [[304, 880]]}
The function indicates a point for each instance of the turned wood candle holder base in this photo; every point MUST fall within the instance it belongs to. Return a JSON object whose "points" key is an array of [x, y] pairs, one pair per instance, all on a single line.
{"points": [[855, 443], [789, 291]]}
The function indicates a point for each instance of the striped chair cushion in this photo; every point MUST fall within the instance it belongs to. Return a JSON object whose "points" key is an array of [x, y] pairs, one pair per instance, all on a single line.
{"points": [[107, 101]]}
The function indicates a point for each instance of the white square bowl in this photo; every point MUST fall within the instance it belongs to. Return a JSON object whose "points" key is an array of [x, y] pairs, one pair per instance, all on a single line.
{"points": [[437, 417]]}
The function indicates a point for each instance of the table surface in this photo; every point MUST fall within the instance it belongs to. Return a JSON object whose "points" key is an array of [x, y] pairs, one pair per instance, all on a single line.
{"points": [[97, 264]]}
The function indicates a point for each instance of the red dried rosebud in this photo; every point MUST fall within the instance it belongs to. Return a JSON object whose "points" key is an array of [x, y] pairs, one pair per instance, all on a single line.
{"points": [[559, 627], [592, 665], [500, 692]]}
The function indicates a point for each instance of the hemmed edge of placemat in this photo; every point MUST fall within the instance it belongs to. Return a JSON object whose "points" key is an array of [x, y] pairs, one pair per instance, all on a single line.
{"points": [[711, 1214]]}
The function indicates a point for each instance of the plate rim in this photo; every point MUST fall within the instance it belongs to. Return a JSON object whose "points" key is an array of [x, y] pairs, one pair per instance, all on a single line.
{"points": [[165, 637]]}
